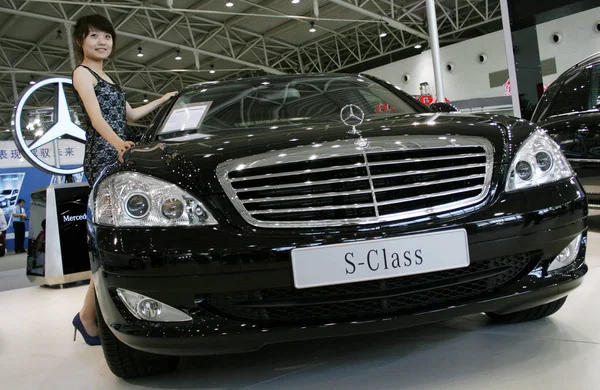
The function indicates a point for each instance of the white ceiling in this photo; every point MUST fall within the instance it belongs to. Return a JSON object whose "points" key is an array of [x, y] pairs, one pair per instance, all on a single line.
{"points": [[251, 38]]}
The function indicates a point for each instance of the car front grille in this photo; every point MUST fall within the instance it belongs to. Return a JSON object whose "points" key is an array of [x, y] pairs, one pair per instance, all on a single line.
{"points": [[364, 300], [359, 181]]}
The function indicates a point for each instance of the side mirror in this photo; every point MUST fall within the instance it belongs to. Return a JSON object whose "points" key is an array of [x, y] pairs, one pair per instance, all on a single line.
{"points": [[443, 107]]}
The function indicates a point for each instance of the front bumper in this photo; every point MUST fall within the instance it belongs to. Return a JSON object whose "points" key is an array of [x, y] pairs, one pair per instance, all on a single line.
{"points": [[223, 336], [181, 270]]}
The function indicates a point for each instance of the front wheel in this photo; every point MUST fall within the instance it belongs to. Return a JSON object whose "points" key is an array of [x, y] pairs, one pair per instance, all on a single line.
{"points": [[126, 362], [531, 314]]}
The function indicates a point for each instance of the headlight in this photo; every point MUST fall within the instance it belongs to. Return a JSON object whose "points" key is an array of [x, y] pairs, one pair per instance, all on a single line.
{"points": [[538, 161], [133, 199]]}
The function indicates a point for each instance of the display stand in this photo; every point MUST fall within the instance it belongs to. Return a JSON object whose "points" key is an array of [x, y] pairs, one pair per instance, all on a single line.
{"points": [[59, 254]]}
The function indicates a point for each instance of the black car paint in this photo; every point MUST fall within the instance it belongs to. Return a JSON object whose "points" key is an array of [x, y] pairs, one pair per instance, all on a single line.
{"points": [[192, 164], [179, 269], [578, 133], [179, 266], [579, 137]]}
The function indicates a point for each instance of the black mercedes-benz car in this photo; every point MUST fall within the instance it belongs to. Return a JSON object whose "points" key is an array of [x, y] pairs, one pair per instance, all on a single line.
{"points": [[292, 207], [570, 112]]}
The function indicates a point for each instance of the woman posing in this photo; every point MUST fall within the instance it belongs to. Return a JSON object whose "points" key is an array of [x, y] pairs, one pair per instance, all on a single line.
{"points": [[106, 115]]}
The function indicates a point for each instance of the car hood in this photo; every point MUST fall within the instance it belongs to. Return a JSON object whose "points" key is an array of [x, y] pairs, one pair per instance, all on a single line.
{"points": [[192, 163]]}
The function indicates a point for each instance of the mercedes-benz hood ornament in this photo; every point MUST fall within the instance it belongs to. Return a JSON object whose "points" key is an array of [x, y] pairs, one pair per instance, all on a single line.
{"points": [[352, 115]]}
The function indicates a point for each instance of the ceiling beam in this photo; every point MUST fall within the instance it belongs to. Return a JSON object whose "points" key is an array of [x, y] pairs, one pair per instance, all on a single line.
{"points": [[148, 39], [389, 21], [52, 74]]}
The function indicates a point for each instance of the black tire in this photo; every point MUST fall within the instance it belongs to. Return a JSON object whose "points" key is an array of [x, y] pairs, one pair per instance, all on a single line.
{"points": [[126, 362], [532, 314]]}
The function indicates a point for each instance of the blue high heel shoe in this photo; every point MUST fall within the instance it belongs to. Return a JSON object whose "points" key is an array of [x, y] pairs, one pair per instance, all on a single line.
{"points": [[90, 340]]}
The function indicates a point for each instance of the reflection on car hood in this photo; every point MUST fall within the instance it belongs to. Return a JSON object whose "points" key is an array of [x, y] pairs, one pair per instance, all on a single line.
{"points": [[192, 164]]}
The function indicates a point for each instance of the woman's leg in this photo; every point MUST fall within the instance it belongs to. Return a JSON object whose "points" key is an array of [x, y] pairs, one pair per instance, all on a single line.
{"points": [[88, 311]]}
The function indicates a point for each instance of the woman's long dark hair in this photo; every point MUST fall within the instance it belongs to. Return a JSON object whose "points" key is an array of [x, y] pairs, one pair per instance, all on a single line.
{"points": [[82, 29]]}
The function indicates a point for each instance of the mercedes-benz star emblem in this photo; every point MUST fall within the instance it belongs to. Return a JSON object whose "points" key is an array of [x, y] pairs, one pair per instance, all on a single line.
{"points": [[352, 115], [361, 143], [63, 127]]}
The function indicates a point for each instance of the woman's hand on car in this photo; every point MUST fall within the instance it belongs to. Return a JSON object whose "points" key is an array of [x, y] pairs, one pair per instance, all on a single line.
{"points": [[168, 96], [123, 147]]}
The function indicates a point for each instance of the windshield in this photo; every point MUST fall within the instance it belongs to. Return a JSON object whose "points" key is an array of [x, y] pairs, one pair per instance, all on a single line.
{"points": [[268, 103]]}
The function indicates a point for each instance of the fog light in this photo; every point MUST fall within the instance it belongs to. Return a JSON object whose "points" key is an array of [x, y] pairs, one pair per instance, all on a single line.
{"points": [[567, 255], [148, 309]]}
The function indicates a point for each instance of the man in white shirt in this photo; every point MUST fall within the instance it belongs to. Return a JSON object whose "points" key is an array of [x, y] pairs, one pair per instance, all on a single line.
{"points": [[19, 218], [3, 229]]}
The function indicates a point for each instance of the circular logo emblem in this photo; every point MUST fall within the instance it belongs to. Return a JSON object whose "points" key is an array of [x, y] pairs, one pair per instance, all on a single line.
{"points": [[352, 115], [361, 143], [61, 128]]}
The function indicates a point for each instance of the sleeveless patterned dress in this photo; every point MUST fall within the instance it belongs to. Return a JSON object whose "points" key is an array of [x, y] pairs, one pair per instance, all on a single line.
{"points": [[99, 153]]}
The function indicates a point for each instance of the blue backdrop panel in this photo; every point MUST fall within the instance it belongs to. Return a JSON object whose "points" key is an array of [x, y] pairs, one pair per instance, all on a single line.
{"points": [[16, 183]]}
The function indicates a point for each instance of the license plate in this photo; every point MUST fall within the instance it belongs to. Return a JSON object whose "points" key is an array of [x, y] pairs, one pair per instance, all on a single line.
{"points": [[380, 258]]}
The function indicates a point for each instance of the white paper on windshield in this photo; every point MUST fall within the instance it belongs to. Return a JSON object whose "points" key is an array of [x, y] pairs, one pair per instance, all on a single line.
{"points": [[186, 118]]}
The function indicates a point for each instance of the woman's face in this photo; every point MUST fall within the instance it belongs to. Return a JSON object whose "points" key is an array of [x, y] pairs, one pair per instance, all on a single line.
{"points": [[97, 45]]}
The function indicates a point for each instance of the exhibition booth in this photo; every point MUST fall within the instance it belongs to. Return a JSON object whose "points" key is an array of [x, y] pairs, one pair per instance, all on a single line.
{"points": [[346, 194], [58, 247]]}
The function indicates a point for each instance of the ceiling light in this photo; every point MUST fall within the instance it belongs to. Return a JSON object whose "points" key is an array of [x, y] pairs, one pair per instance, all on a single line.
{"points": [[229, 4], [418, 46], [212, 69], [140, 54], [145, 98], [295, 1], [312, 27], [59, 35], [382, 33], [31, 81], [178, 56]]}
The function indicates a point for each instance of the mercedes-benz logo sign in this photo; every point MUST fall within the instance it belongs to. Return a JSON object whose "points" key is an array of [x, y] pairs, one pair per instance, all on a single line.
{"points": [[352, 115], [361, 143], [63, 126]]}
